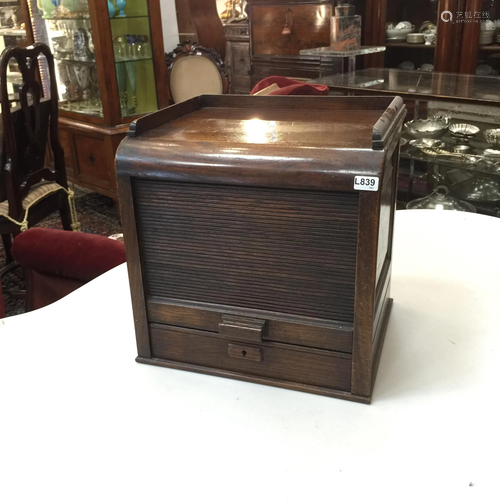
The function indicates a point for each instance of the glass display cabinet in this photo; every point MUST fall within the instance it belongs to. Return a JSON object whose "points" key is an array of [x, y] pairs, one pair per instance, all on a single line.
{"points": [[465, 35], [111, 69], [469, 169], [464, 154], [15, 29], [384, 22]]}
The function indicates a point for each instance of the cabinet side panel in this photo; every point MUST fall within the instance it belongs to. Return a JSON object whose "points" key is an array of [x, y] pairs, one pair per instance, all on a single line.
{"points": [[134, 267], [369, 214], [385, 219]]}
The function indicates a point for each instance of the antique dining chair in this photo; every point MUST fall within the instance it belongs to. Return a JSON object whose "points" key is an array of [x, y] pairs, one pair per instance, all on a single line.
{"points": [[30, 190], [193, 70]]}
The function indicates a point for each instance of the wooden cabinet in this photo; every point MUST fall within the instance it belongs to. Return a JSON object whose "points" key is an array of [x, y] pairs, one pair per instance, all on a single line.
{"points": [[111, 70], [271, 264], [237, 59], [473, 52], [280, 30]]}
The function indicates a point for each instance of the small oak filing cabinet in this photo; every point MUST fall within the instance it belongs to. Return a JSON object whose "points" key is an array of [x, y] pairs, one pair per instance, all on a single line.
{"points": [[259, 234]]}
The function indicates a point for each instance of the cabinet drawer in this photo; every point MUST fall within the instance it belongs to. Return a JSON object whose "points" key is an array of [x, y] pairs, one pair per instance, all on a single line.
{"points": [[91, 158], [275, 362], [279, 328]]}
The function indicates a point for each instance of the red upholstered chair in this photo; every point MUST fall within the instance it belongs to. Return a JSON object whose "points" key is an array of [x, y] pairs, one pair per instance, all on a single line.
{"points": [[57, 262], [287, 86]]}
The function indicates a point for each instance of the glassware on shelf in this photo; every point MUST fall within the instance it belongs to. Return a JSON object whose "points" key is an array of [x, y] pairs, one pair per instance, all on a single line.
{"points": [[96, 96], [68, 28], [121, 77], [111, 9], [75, 89], [69, 5], [81, 49], [478, 188], [64, 82], [82, 72], [46, 6], [138, 47], [144, 51], [60, 49], [130, 50], [132, 78], [121, 4], [88, 28], [440, 199], [119, 48]]}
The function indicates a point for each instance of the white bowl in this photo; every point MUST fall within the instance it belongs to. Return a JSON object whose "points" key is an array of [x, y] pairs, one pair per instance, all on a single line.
{"points": [[487, 25], [404, 25], [484, 70], [407, 66]]}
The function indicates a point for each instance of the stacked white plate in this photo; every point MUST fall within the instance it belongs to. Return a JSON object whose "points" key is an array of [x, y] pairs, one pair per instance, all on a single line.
{"points": [[496, 22], [487, 33], [486, 37]]}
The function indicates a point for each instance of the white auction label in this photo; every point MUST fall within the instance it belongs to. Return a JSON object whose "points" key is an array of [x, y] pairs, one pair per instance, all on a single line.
{"points": [[365, 183]]}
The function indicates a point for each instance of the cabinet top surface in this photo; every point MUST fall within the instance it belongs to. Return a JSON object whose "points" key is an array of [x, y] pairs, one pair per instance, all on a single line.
{"points": [[267, 127], [274, 140], [316, 122]]}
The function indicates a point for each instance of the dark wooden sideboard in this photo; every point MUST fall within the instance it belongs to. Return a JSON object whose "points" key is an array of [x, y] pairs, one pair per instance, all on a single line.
{"points": [[237, 59], [280, 30]]}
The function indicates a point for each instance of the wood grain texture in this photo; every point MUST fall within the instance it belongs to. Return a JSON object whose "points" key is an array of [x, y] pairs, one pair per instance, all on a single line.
{"points": [[242, 328], [273, 250], [134, 268], [470, 40], [288, 329], [256, 379], [208, 25], [369, 206], [278, 362], [309, 26]]}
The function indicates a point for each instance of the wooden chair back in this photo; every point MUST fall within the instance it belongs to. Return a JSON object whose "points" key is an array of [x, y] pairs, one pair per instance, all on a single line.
{"points": [[30, 124], [193, 70]]}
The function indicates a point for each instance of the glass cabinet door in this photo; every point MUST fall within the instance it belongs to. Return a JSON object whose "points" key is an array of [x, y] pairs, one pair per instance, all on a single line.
{"points": [[69, 35], [131, 34], [12, 32], [415, 53]]}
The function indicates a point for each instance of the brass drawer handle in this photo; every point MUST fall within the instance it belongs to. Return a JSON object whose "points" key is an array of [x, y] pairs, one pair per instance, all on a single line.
{"points": [[244, 352]]}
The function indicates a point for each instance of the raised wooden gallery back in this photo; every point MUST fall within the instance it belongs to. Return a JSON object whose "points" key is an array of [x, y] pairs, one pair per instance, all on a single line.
{"points": [[259, 234]]}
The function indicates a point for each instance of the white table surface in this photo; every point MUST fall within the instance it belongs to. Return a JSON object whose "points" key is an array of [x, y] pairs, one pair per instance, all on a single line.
{"points": [[80, 419]]}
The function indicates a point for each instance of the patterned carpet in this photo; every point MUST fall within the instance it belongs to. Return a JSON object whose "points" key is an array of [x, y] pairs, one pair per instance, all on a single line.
{"points": [[97, 214]]}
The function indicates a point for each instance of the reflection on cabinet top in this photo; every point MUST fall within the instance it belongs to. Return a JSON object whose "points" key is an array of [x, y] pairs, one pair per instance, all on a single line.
{"points": [[256, 123]]}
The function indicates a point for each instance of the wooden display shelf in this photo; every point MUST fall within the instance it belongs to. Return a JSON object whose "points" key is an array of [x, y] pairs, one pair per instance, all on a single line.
{"points": [[407, 45], [490, 48]]}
